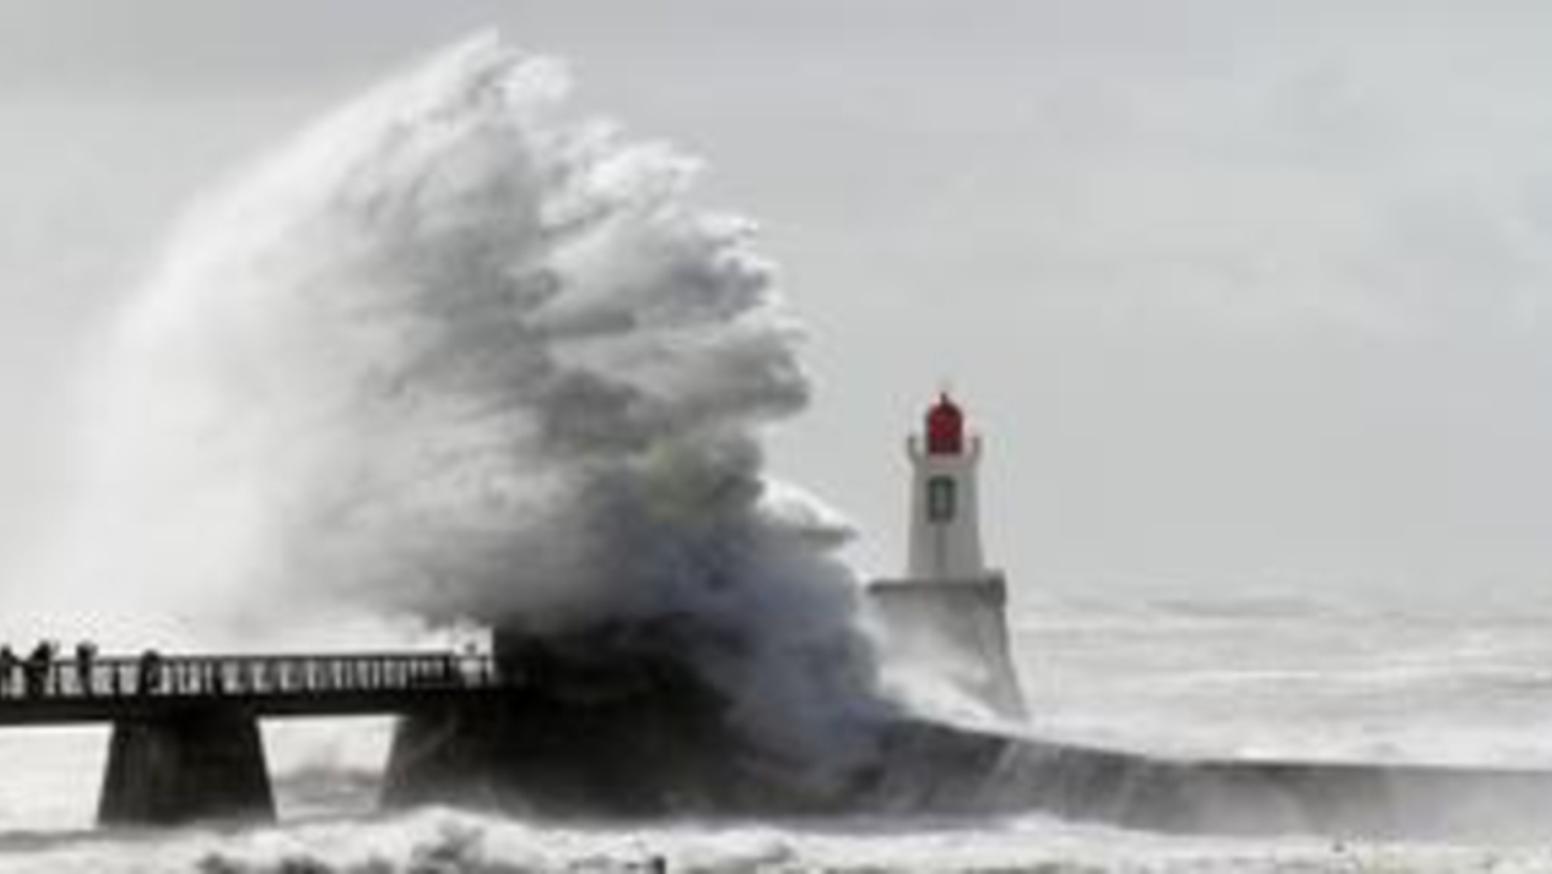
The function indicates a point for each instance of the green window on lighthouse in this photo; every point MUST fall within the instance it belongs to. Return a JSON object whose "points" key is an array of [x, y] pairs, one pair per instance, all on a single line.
{"points": [[940, 499]]}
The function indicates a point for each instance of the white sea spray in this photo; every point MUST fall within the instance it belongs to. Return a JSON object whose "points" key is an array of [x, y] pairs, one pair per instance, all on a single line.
{"points": [[457, 355]]}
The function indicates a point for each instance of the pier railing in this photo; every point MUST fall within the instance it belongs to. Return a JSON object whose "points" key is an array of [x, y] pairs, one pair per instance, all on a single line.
{"points": [[89, 688]]}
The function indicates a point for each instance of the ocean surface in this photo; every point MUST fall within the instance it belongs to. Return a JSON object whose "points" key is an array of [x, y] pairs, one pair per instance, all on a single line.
{"points": [[1465, 681]]}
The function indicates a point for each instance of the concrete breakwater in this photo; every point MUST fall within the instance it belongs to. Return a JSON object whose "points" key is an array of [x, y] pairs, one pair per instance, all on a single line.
{"points": [[938, 770], [636, 734], [941, 769]]}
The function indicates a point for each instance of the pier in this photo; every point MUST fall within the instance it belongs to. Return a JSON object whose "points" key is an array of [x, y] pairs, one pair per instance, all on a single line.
{"points": [[186, 742]]}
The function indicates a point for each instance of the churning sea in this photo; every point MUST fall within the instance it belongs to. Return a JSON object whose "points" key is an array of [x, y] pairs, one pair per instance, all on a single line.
{"points": [[1463, 680]]}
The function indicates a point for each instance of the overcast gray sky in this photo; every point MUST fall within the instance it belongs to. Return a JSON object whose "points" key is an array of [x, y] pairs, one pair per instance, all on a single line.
{"points": [[1243, 294]]}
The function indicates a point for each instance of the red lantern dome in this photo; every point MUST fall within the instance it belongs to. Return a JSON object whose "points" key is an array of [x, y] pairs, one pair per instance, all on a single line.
{"points": [[945, 427]]}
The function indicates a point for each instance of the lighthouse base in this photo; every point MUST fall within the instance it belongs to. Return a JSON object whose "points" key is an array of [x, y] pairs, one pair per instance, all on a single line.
{"points": [[955, 631]]}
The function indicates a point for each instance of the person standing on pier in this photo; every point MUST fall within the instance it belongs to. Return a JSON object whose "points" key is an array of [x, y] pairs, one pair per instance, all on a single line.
{"points": [[85, 656], [150, 673], [8, 665], [39, 666]]}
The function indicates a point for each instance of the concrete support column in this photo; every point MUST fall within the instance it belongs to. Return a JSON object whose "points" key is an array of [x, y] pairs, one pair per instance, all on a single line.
{"points": [[205, 763]]}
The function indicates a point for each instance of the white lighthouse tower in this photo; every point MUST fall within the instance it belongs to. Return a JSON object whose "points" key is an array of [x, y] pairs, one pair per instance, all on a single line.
{"points": [[944, 618], [945, 528]]}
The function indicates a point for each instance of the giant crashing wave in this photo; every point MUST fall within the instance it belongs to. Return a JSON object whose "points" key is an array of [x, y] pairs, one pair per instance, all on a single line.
{"points": [[455, 354]]}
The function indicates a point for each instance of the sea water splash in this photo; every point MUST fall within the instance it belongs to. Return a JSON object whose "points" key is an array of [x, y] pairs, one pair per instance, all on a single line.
{"points": [[456, 355], [435, 840]]}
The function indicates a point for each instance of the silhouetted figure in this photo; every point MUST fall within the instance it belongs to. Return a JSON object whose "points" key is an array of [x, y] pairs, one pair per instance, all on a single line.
{"points": [[150, 674], [8, 665], [85, 658], [36, 671]]}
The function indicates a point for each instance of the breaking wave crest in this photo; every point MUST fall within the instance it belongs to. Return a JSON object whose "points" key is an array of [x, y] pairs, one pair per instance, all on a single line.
{"points": [[458, 355]]}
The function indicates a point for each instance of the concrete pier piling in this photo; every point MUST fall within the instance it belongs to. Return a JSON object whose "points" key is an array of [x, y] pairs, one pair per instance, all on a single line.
{"points": [[204, 763]]}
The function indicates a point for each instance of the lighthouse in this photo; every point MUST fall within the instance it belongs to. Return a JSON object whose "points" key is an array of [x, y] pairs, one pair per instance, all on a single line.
{"points": [[945, 529], [944, 621]]}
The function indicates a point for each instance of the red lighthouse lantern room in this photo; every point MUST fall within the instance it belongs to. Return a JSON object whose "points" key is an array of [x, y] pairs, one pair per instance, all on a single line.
{"points": [[945, 427]]}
